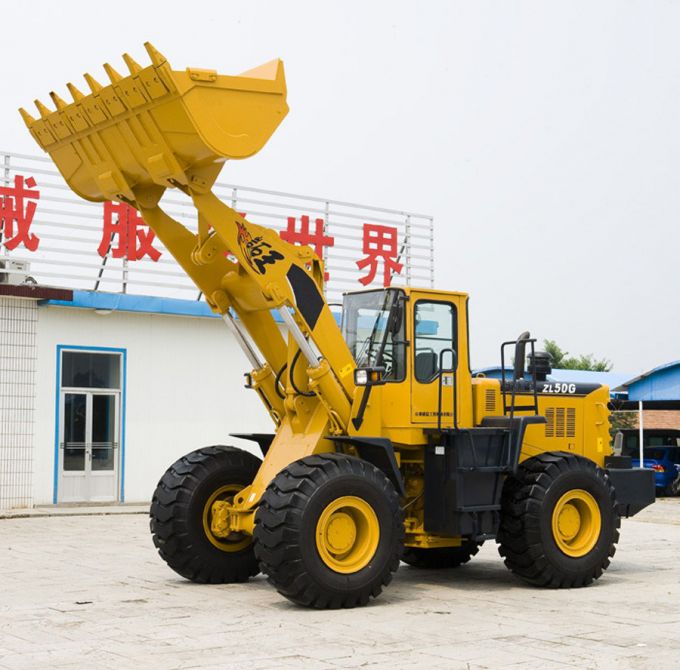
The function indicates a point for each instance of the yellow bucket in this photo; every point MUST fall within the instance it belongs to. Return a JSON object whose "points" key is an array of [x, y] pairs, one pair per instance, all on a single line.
{"points": [[158, 127]]}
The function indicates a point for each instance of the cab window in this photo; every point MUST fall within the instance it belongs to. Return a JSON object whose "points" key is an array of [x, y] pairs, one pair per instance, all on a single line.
{"points": [[435, 330], [373, 327]]}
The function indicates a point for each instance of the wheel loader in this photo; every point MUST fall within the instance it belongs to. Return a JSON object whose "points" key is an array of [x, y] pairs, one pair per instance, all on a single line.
{"points": [[384, 447]]}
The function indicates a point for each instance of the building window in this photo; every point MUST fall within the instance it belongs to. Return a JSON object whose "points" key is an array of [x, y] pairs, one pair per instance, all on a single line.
{"points": [[85, 369]]}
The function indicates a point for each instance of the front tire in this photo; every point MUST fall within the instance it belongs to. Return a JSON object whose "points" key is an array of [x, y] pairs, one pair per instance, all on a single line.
{"points": [[181, 515], [329, 531], [559, 524]]}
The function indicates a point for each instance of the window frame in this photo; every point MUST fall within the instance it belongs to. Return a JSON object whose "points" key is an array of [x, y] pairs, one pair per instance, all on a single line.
{"points": [[404, 343], [117, 353], [122, 397], [454, 332]]}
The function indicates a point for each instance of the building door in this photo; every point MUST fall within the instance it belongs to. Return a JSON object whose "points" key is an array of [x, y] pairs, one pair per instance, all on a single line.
{"points": [[89, 441]]}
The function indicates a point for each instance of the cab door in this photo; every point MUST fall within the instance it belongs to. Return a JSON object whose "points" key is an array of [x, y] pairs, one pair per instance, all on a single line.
{"points": [[435, 324]]}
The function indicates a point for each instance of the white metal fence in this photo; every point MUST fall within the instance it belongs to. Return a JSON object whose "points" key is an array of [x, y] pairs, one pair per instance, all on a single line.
{"points": [[71, 236]]}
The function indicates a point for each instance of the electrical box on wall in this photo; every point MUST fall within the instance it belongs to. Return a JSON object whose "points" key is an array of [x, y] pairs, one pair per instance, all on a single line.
{"points": [[14, 272]]}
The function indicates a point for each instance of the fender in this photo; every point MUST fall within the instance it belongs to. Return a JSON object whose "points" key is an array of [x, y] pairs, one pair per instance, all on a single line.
{"points": [[379, 452]]}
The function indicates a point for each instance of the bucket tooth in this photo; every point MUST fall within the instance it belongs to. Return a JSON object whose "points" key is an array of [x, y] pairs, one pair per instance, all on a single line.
{"points": [[75, 93], [28, 119], [58, 102], [94, 85], [132, 64], [43, 109], [157, 58], [113, 75]]}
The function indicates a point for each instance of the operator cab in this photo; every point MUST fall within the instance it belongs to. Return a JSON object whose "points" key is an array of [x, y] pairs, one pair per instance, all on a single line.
{"points": [[374, 325], [411, 341]]}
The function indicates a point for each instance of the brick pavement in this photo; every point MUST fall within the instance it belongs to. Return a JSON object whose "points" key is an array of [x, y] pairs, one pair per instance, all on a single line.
{"points": [[90, 593]]}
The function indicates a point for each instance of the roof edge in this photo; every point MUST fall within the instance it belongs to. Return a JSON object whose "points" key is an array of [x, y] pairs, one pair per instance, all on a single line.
{"points": [[35, 292], [649, 373], [124, 302]]}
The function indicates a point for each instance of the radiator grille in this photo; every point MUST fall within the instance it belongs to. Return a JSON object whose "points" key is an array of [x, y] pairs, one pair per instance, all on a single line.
{"points": [[490, 402], [571, 422], [550, 422], [560, 422]]}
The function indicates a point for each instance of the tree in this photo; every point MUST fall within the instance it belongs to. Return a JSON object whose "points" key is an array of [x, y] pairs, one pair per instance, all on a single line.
{"points": [[561, 359], [622, 420]]}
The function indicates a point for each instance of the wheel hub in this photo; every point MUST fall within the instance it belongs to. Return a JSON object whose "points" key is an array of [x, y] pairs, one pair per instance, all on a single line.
{"points": [[347, 534], [341, 532], [569, 521], [576, 523], [216, 520]]}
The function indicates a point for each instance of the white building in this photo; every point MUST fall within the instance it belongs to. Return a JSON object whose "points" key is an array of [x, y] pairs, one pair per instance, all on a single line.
{"points": [[99, 394]]}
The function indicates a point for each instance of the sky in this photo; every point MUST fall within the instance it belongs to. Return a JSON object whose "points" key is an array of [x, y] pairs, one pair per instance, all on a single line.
{"points": [[544, 138]]}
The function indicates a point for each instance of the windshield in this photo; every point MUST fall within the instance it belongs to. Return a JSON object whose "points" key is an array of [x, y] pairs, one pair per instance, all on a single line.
{"points": [[373, 327]]}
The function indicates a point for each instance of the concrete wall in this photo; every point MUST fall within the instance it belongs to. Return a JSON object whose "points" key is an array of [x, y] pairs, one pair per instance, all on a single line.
{"points": [[669, 418], [654, 418], [184, 390]]}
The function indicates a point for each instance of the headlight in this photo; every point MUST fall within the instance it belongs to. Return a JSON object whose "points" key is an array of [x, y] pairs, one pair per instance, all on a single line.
{"points": [[361, 377]]}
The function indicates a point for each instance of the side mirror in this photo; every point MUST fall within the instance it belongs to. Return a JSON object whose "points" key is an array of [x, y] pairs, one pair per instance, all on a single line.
{"points": [[618, 444], [520, 355], [397, 317]]}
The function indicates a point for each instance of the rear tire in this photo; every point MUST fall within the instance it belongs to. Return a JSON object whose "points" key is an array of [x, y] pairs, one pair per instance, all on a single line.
{"points": [[329, 531], [180, 516], [559, 524], [442, 557]]}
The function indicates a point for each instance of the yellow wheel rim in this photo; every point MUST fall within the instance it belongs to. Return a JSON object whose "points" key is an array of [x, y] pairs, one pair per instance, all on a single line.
{"points": [[576, 523], [235, 541], [347, 534]]}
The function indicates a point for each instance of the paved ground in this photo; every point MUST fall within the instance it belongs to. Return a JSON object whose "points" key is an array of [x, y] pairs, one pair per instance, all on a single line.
{"points": [[90, 592]]}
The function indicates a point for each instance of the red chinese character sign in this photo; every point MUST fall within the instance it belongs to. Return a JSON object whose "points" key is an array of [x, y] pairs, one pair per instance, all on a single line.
{"points": [[17, 207], [318, 239], [379, 243], [134, 239], [360, 251]]}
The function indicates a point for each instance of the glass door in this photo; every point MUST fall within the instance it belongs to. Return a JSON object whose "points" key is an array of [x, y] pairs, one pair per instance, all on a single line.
{"points": [[73, 445], [103, 446], [89, 446]]}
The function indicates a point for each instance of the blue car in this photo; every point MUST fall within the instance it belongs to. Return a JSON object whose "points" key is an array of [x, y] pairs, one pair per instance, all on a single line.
{"points": [[661, 453]]}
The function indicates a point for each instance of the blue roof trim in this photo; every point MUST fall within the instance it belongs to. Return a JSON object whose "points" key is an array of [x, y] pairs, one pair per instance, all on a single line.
{"points": [[123, 302], [144, 304]]}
